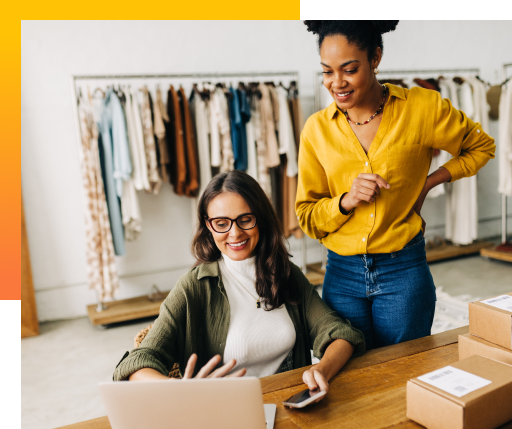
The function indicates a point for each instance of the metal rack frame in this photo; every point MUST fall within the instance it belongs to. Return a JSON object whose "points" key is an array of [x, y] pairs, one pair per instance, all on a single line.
{"points": [[214, 77]]}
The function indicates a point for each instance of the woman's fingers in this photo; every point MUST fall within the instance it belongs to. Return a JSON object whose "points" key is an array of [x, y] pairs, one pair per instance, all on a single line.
{"points": [[223, 370], [191, 364], [375, 178], [209, 367], [321, 381], [309, 379], [239, 373]]}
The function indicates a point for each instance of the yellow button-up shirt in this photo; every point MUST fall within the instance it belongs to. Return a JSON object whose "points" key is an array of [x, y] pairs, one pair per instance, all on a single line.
{"points": [[414, 123]]}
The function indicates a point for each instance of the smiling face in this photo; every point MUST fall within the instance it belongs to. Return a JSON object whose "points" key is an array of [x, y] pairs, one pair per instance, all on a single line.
{"points": [[348, 75], [237, 244]]}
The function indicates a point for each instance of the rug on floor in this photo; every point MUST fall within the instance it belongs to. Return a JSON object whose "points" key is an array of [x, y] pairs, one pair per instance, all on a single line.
{"points": [[451, 311]]}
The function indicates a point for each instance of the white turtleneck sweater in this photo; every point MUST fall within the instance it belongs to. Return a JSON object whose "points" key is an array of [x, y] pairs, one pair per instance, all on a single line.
{"points": [[259, 340]]}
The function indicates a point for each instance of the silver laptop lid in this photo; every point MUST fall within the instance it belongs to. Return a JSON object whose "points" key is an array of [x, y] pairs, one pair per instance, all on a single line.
{"points": [[214, 403]]}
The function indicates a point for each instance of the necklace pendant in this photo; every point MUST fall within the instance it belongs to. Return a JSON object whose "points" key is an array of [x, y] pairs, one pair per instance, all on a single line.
{"points": [[258, 305]]}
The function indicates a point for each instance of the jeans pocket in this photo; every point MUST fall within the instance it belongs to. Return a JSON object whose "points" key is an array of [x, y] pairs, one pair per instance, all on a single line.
{"points": [[415, 241]]}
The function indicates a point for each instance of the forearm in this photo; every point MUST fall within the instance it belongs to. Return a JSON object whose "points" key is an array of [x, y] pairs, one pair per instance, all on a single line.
{"points": [[336, 355], [441, 175], [147, 374]]}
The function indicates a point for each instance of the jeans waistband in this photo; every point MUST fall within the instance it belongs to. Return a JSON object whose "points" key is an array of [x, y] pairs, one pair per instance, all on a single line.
{"points": [[415, 241]]}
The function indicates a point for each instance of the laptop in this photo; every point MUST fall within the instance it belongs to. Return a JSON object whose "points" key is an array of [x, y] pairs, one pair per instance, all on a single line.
{"points": [[213, 403]]}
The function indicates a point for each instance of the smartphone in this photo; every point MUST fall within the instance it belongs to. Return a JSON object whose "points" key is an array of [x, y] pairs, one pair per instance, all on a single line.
{"points": [[301, 399]]}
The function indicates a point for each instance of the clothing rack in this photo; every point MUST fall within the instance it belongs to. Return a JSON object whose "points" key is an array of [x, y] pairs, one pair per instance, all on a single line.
{"points": [[495, 253], [447, 251], [103, 314]]}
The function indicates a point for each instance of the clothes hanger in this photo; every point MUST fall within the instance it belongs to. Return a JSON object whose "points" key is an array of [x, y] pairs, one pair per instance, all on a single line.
{"points": [[458, 80]]}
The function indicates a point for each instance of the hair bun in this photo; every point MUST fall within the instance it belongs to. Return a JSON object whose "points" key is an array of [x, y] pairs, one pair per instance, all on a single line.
{"points": [[314, 26], [385, 26]]}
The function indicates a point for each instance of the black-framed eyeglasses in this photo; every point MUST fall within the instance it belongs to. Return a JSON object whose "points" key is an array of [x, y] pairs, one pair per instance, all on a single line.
{"points": [[223, 224]]}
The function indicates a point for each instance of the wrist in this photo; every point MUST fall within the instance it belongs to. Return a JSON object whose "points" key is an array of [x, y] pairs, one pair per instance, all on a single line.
{"points": [[344, 205]]}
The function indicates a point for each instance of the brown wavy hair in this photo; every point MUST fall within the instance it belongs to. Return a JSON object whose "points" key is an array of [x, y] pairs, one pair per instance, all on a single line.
{"points": [[272, 257]]}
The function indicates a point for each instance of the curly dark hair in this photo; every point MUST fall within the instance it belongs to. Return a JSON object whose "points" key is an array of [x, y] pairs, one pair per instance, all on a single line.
{"points": [[366, 35], [272, 257]]}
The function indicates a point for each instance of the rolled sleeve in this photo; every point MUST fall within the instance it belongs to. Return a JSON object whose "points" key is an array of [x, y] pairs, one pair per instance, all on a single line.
{"points": [[463, 138], [160, 348]]}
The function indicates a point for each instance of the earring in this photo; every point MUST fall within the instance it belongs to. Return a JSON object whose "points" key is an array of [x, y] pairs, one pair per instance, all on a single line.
{"points": [[376, 70]]}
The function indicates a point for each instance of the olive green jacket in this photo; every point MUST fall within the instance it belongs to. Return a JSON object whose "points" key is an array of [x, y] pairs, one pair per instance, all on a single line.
{"points": [[194, 318]]}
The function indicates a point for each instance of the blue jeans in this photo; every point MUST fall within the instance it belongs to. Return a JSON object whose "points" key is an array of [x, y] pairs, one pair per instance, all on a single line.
{"points": [[390, 297]]}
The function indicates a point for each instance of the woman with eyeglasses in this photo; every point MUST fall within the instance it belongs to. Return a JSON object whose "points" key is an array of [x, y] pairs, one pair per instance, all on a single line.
{"points": [[244, 304]]}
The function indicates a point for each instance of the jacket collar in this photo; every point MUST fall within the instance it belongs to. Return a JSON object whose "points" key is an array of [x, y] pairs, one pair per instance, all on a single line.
{"points": [[210, 269], [394, 91]]}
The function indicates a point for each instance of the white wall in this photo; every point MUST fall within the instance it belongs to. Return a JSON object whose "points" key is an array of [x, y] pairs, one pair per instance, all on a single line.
{"points": [[52, 51]]}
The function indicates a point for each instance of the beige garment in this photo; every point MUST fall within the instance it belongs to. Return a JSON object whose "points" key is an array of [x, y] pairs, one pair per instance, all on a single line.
{"points": [[268, 127], [261, 147], [159, 113], [136, 137], [274, 98], [149, 142], [100, 262], [220, 124]]}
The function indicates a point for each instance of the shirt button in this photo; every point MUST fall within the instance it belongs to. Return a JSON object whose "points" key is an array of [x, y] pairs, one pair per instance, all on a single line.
{"points": [[478, 131], [367, 163], [364, 239], [371, 215]]}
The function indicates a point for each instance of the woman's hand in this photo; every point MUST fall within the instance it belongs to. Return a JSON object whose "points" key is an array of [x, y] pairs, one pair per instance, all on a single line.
{"points": [[365, 188], [150, 374], [206, 371], [315, 380]]}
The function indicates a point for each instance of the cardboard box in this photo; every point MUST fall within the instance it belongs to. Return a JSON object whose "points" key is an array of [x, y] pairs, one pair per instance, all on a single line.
{"points": [[490, 322], [470, 345], [486, 407]]}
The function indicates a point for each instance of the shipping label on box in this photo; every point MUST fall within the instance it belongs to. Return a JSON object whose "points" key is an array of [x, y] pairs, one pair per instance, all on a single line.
{"points": [[491, 319], [470, 345], [474, 393]]}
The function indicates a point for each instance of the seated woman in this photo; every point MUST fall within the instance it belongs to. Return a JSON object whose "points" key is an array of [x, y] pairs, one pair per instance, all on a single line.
{"points": [[244, 301]]}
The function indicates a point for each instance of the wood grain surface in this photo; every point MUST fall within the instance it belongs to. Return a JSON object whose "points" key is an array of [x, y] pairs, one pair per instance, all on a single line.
{"points": [[370, 391]]}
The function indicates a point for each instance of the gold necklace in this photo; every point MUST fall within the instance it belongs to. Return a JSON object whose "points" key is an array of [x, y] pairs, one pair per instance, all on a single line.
{"points": [[258, 304]]}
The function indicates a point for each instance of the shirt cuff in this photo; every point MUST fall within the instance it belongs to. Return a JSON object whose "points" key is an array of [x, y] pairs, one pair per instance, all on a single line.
{"points": [[336, 217], [455, 169]]}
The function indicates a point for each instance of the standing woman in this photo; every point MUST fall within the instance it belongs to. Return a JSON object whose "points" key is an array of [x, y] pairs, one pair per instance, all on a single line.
{"points": [[363, 166]]}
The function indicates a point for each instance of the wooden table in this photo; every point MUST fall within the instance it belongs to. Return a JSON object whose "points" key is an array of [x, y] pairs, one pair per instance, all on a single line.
{"points": [[369, 392]]}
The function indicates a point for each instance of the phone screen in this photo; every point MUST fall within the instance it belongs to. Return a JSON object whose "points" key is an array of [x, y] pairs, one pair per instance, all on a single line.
{"points": [[302, 396]]}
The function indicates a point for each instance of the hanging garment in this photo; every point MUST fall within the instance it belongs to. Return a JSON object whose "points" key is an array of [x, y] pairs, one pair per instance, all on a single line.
{"points": [[252, 160], [100, 261], [177, 146], [114, 117], [136, 139], [261, 146], [192, 183], [505, 139], [220, 131], [214, 125], [200, 117], [268, 128], [297, 116], [286, 136], [106, 155], [245, 115], [155, 181], [235, 121], [132, 219], [461, 215], [158, 113]]}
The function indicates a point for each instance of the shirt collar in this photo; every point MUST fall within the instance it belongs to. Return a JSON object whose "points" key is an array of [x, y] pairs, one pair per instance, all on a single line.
{"points": [[394, 91], [210, 269]]}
